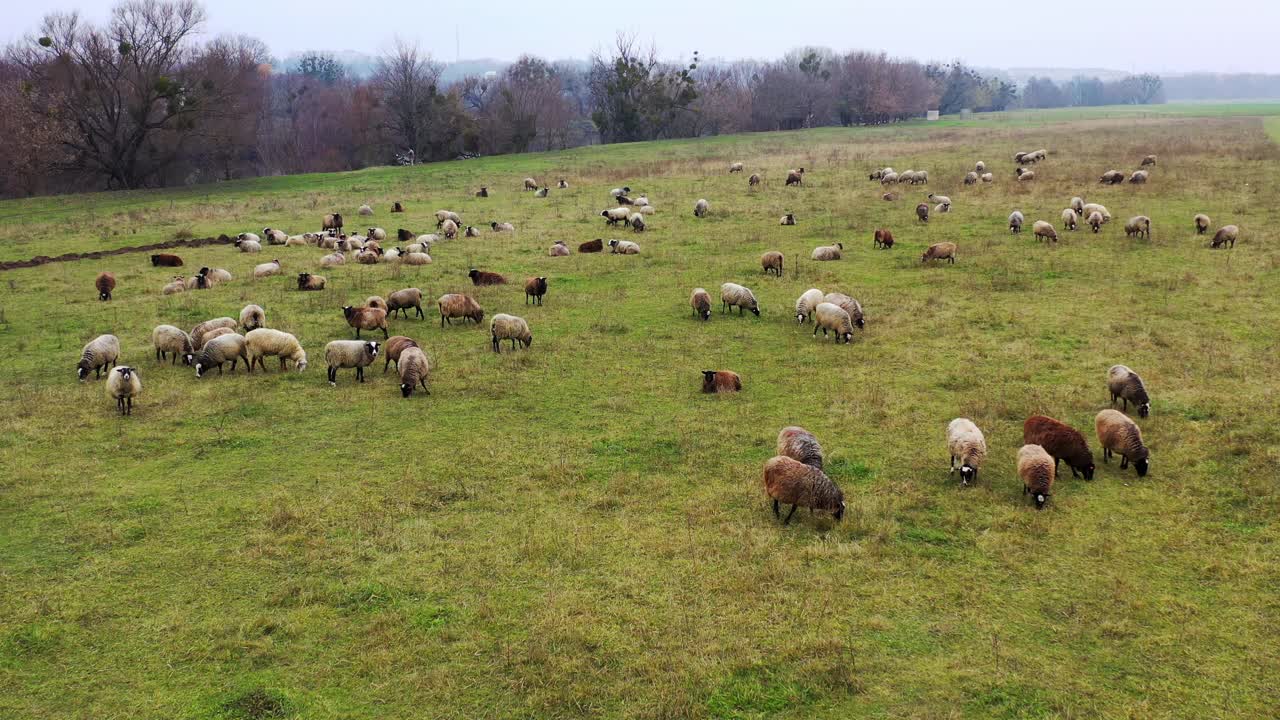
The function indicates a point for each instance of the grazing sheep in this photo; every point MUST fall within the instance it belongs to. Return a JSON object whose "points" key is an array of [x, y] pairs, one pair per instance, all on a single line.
{"points": [[1139, 225], [267, 269], [449, 229], [482, 277], [591, 246], [1077, 205], [199, 331], [971, 178], [397, 207], [123, 385], [922, 212], [248, 246], [217, 274], [307, 281], [1027, 176], [805, 304], [616, 215], [539, 193], [176, 285], [827, 252], [988, 177], [720, 381], [365, 210], [771, 262], [502, 227], [221, 349], [700, 208], [1095, 221], [967, 444], [940, 251], [795, 177], [401, 300], [392, 348], [1127, 385], [1139, 177], [849, 305], [735, 167], [980, 167], [1035, 467], [535, 288], [1148, 160], [366, 318], [530, 184], [105, 283], [735, 295], [882, 239], [356, 354], [457, 305], [831, 317], [800, 445], [700, 300], [921, 178], [1043, 230], [376, 301], [889, 178], [275, 237], [619, 192], [1202, 223], [623, 247], [1119, 435], [1069, 219], [754, 180], [797, 484], [1101, 209], [214, 333], [1062, 442], [940, 199], [265, 342], [1226, 234], [171, 341], [97, 354], [907, 177], [166, 260], [1015, 221], [636, 221], [253, 316], [414, 370], [332, 222], [415, 259], [471, 232], [788, 219], [482, 192], [562, 184], [558, 249], [509, 327], [875, 174], [1111, 177]]}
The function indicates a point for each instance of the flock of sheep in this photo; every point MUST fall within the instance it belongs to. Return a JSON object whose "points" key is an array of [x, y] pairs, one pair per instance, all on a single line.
{"points": [[795, 476]]}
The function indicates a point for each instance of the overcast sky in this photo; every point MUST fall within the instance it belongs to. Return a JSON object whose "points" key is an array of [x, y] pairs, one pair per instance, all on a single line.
{"points": [[1127, 35]]}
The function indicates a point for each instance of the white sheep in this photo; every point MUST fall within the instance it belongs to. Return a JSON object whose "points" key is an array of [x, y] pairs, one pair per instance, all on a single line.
{"points": [[831, 317], [805, 304], [199, 331], [246, 245], [509, 327], [169, 340], [827, 252], [123, 385], [700, 208], [275, 237], [253, 316], [1069, 219], [414, 369], [334, 258], [624, 247], [219, 350], [980, 167], [365, 210], [966, 444], [358, 354], [735, 295], [1016, 221], [97, 354], [262, 342], [266, 269], [849, 305], [988, 177]]}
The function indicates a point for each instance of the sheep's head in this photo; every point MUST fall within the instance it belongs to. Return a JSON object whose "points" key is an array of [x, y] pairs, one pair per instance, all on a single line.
{"points": [[1041, 499], [860, 323], [755, 310], [473, 274], [1144, 409], [406, 389], [968, 473], [199, 369], [1142, 466], [706, 314], [840, 246], [125, 371], [188, 358], [1087, 471], [82, 371], [839, 512], [348, 311]]}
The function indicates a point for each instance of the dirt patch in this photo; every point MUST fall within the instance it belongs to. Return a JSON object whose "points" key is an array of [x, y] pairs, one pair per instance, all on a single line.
{"points": [[68, 257]]}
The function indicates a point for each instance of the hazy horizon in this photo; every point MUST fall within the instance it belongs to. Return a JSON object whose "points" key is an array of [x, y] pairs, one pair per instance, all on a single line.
{"points": [[1141, 36]]}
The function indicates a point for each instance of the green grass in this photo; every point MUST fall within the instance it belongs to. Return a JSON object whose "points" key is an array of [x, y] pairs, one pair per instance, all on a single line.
{"points": [[574, 531]]}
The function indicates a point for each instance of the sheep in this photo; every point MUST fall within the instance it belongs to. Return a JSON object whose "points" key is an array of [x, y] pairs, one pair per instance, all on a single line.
{"points": [[788, 219], [1027, 176], [734, 295], [831, 317], [214, 333], [1095, 221], [623, 247], [849, 305], [624, 200], [805, 304], [356, 354], [540, 193], [640, 202], [1043, 230], [921, 178], [509, 327], [253, 316], [907, 177], [401, 300], [720, 381], [636, 221], [922, 212], [1139, 225], [1019, 172], [735, 167], [1226, 234], [449, 229], [1069, 219], [366, 318], [530, 184], [502, 227], [1139, 177], [591, 246], [97, 354], [415, 258], [1100, 209], [1015, 221], [875, 174], [123, 385], [793, 482], [795, 177], [1035, 467], [328, 242], [275, 237], [980, 167], [882, 238], [889, 178], [1202, 223], [558, 249], [396, 207], [562, 184], [827, 252], [266, 269], [217, 275], [971, 178], [392, 348], [166, 260], [263, 342], [1148, 160], [307, 281], [941, 208], [1126, 385], [221, 349], [700, 301], [939, 199], [199, 331], [296, 241], [967, 444], [1062, 442], [176, 285], [940, 251], [800, 445], [482, 277], [392, 255], [332, 221], [619, 192], [1111, 177], [535, 288], [367, 257], [201, 280], [754, 180], [377, 234], [988, 177], [1117, 434], [771, 262], [616, 215], [376, 301], [105, 283], [365, 210], [249, 237], [457, 305], [471, 232], [332, 259], [1077, 205], [248, 246], [700, 208], [482, 192], [414, 370]]}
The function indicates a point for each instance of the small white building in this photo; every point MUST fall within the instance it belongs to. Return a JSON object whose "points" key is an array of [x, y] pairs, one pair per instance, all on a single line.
{"points": [[933, 115]]}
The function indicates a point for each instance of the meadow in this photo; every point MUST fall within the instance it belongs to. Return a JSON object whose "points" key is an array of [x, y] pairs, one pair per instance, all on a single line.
{"points": [[573, 530]]}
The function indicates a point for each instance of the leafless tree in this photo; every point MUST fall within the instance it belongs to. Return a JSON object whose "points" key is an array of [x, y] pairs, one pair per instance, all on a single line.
{"points": [[408, 83]]}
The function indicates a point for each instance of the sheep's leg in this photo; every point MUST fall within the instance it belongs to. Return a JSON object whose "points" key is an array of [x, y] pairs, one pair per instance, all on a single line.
{"points": [[775, 509], [1124, 462], [788, 520], [953, 465], [357, 333], [495, 344], [815, 328], [130, 406], [384, 333]]}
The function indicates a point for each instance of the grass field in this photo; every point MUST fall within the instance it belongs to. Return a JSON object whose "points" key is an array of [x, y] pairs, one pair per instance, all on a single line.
{"points": [[574, 531]]}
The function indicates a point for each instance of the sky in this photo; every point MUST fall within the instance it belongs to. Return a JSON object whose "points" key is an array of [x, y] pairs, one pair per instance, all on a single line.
{"points": [[1125, 35]]}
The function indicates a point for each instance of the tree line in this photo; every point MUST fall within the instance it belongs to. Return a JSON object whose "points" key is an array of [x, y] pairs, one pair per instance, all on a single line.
{"points": [[139, 101]]}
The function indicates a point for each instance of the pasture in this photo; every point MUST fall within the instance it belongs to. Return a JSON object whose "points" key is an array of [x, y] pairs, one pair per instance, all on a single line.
{"points": [[573, 530]]}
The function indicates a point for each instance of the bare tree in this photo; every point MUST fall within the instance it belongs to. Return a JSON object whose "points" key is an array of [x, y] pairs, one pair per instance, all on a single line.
{"points": [[408, 80]]}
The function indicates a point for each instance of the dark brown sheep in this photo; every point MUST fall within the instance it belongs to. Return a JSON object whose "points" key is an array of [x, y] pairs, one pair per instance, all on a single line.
{"points": [[397, 207], [166, 260], [403, 235], [307, 281], [719, 381], [796, 177], [535, 288], [1062, 442], [392, 348], [366, 318], [482, 192], [105, 282], [922, 212], [481, 277], [592, 246], [883, 239], [795, 483]]}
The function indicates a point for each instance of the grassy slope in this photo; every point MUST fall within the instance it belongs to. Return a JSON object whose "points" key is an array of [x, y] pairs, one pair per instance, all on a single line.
{"points": [[575, 531]]}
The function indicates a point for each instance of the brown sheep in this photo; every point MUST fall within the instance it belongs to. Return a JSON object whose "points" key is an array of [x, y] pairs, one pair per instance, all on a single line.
{"points": [[332, 222], [772, 262], [366, 318], [701, 303], [307, 281], [940, 251], [793, 482], [1148, 160], [1202, 223], [922, 212], [720, 381], [1226, 234], [1118, 434], [1035, 467], [397, 207], [166, 260], [482, 277], [1062, 442], [883, 239], [392, 348], [1042, 230], [754, 180], [401, 300], [105, 283], [800, 445], [534, 289], [795, 177], [482, 192], [592, 246], [457, 305]]}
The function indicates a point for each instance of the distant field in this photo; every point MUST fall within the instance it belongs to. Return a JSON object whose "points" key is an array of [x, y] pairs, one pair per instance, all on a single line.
{"points": [[574, 531]]}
